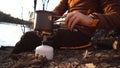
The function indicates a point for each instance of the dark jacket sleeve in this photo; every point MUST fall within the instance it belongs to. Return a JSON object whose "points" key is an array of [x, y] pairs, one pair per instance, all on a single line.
{"points": [[111, 17], [61, 8]]}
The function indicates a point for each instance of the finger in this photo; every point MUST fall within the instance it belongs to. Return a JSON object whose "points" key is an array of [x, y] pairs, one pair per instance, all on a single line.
{"points": [[69, 15], [64, 15], [71, 20], [74, 23]]}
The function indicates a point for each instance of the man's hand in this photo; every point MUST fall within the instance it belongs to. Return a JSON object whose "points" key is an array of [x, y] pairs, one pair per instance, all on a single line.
{"points": [[73, 18]]}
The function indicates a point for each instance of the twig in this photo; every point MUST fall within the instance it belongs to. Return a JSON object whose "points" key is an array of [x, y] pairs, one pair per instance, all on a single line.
{"points": [[86, 54]]}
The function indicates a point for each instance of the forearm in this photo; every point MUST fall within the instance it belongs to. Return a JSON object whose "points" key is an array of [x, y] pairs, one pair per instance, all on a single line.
{"points": [[61, 8], [108, 21], [111, 17]]}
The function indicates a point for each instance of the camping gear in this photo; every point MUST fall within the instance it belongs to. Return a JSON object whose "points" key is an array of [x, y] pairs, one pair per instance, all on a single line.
{"points": [[45, 51], [46, 25], [42, 21]]}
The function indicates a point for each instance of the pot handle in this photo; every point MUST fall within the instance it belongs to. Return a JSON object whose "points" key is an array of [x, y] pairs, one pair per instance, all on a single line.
{"points": [[54, 17]]}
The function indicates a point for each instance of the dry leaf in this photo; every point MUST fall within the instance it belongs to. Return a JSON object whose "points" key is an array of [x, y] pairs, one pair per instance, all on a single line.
{"points": [[90, 65]]}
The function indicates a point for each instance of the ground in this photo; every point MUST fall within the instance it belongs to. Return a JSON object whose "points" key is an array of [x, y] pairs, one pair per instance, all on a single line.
{"points": [[81, 58], [104, 53]]}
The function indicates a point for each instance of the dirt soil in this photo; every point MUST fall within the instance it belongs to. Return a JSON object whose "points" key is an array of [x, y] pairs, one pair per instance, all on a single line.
{"points": [[81, 58]]}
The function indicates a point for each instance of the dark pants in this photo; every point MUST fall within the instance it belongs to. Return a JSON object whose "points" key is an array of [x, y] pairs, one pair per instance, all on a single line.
{"points": [[29, 41]]}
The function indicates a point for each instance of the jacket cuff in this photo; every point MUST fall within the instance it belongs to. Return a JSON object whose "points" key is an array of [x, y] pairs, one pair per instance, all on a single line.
{"points": [[102, 22]]}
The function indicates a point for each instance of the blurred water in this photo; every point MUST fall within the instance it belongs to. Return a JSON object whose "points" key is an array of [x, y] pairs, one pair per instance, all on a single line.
{"points": [[10, 33]]}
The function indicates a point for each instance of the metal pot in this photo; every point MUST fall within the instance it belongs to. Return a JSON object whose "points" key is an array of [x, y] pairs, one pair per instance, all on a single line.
{"points": [[42, 21]]}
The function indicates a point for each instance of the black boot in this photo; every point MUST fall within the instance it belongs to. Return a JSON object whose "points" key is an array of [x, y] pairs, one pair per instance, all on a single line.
{"points": [[28, 42]]}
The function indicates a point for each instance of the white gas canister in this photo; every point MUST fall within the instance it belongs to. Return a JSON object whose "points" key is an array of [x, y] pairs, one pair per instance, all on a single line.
{"points": [[45, 51]]}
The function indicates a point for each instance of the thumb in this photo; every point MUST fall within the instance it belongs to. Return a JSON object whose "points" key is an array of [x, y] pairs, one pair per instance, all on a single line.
{"points": [[64, 15]]}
